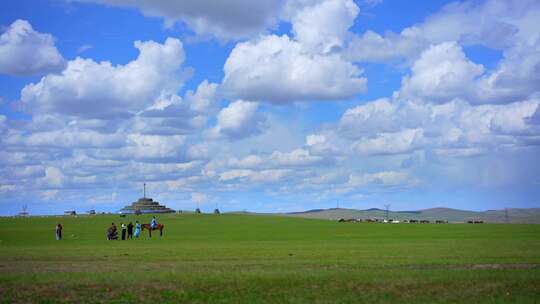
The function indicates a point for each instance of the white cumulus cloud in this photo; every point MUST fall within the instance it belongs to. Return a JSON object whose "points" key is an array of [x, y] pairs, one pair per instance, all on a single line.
{"points": [[101, 90], [306, 66], [278, 69], [442, 73], [495, 24], [224, 19], [23, 51], [238, 120], [323, 26]]}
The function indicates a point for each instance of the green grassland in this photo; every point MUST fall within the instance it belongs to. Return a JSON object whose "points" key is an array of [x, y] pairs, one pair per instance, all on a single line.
{"points": [[268, 259]]}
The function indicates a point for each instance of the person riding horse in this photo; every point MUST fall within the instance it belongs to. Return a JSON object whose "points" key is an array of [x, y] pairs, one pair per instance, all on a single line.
{"points": [[153, 226], [153, 223]]}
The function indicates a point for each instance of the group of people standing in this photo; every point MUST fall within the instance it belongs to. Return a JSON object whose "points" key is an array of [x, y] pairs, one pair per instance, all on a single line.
{"points": [[127, 231]]}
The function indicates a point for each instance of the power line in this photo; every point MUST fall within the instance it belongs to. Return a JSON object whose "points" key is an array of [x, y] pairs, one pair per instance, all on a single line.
{"points": [[387, 206]]}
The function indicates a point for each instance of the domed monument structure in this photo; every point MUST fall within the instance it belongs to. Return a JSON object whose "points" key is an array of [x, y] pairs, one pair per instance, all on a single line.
{"points": [[145, 205]]}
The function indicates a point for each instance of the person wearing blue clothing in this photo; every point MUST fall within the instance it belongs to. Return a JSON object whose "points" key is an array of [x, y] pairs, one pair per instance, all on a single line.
{"points": [[153, 223], [137, 229]]}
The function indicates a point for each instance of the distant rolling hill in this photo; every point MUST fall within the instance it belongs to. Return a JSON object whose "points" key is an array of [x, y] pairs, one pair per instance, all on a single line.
{"points": [[515, 215]]}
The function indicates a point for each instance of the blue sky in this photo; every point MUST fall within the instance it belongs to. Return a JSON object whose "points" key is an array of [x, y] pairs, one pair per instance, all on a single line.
{"points": [[271, 106]]}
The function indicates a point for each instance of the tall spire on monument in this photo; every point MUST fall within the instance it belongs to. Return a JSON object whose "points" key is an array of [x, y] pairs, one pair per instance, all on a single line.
{"points": [[145, 205]]}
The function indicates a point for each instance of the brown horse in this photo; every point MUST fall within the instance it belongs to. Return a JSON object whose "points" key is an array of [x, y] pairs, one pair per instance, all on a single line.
{"points": [[158, 227]]}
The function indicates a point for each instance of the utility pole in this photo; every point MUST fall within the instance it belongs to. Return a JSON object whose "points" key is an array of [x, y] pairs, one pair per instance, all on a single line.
{"points": [[144, 190], [387, 206]]}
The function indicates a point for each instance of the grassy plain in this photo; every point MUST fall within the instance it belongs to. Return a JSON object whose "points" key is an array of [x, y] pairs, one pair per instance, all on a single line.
{"points": [[268, 259]]}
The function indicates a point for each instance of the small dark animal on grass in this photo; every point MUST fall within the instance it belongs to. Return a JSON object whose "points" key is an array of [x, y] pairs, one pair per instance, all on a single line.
{"points": [[158, 227]]}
